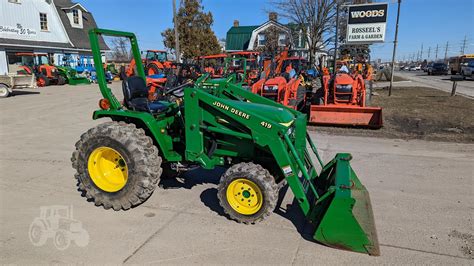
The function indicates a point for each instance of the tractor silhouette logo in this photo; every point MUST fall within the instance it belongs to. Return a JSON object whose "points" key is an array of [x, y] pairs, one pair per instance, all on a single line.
{"points": [[57, 222]]}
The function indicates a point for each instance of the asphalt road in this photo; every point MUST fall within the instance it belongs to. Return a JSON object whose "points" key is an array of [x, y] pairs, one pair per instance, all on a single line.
{"points": [[440, 82], [422, 195]]}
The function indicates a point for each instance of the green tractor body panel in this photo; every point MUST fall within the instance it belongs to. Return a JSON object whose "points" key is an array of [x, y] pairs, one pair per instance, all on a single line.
{"points": [[71, 77], [155, 127], [222, 123]]}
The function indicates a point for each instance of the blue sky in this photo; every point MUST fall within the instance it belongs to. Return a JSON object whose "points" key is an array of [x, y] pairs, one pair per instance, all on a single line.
{"points": [[430, 22]]}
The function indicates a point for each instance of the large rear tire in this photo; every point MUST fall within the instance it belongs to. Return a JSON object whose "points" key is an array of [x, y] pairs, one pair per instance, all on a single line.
{"points": [[117, 165], [247, 192]]}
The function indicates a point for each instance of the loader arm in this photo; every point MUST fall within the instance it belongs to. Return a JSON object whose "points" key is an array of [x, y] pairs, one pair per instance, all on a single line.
{"points": [[334, 201], [220, 115]]}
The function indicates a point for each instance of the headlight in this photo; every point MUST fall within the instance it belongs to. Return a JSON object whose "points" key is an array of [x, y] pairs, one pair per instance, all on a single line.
{"points": [[270, 88], [290, 131], [344, 88]]}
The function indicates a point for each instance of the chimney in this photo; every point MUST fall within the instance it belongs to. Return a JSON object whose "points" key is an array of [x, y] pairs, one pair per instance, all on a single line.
{"points": [[273, 16], [236, 23]]}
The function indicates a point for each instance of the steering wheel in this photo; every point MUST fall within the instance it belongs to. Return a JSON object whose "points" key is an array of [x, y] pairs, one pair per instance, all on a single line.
{"points": [[178, 88]]}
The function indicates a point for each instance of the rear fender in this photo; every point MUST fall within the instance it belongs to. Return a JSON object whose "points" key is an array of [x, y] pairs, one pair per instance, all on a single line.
{"points": [[158, 64], [156, 129]]}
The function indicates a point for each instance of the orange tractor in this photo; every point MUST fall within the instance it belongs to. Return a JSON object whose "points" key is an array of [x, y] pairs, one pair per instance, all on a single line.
{"points": [[213, 64], [253, 73], [285, 87], [39, 65], [344, 103], [155, 62]]}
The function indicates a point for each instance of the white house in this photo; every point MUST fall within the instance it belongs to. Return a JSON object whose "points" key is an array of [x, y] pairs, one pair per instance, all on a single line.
{"points": [[55, 27], [250, 38]]}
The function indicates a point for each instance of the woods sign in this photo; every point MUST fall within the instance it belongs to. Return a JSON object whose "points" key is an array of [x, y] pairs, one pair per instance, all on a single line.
{"points": [[367, 23]]}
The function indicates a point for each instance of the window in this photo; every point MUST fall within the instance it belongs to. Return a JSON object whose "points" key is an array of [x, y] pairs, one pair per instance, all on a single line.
{"points": [[261, 39], [282, 39], [75, 16], [43, 21], [301, 39]]}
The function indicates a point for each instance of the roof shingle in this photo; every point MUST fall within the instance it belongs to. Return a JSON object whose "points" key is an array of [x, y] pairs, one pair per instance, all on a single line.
{"points": [[238, 38], [79, 37]]}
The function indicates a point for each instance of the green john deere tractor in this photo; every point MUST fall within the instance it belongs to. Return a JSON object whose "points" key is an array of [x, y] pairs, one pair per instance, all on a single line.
{"points": [[71, 77], [212, 123]]}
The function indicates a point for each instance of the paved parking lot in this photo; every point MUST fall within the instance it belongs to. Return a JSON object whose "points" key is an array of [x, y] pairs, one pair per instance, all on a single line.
{"points": [[422, 194], [441, 82]]}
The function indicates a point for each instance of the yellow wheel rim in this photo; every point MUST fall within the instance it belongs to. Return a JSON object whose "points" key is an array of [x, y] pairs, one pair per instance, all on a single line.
{"points": [[244, 196], [107, 169]]}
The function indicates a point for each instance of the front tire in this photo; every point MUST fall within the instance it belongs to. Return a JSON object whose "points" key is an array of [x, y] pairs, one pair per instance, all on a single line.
{"points": [[117, 165], [247, 192], [42, 81], [61, 80]]}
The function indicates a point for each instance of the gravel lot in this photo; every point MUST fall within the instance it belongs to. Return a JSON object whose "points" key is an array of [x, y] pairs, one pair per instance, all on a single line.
{"points": [[421, 193]]}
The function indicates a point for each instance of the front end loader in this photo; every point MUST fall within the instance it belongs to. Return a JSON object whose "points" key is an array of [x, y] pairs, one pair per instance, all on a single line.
{"points": [[211, 123], [71, 77], [343, 103]]}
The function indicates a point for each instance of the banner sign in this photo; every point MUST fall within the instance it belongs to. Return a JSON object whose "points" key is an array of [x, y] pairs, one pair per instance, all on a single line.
{"points": [[18, 30], [367, 23]]}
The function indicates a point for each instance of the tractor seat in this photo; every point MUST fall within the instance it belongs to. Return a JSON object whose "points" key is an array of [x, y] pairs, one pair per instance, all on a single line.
{"points": [[135, 93]]}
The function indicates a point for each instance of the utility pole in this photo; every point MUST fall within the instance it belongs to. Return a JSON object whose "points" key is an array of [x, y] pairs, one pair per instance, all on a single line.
{"points": [[394, 49], [436, 57], [463, 45], [337, 37], [421, 53], [429, 52], [176, 33], [446, 51]]}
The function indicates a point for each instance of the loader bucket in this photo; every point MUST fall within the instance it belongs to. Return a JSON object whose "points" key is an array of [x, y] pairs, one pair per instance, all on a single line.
{"points": [[350, 115], [343, 214], [78, 80]]}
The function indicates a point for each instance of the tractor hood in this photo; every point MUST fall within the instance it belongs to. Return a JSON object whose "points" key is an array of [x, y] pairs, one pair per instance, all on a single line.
{"points": [[277, 114]]}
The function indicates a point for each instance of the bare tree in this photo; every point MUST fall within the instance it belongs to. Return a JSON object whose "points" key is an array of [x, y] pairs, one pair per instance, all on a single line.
{"points": [[315, 18], [121, 49]]}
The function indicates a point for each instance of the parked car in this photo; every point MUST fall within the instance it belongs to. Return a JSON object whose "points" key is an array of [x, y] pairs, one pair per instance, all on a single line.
{"points": [[438, 69], [429, 67], [467, 70], [414, 68]]}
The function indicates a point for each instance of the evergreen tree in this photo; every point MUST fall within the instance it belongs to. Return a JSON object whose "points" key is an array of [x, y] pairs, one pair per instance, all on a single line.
{"points": [[196, 37]]}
